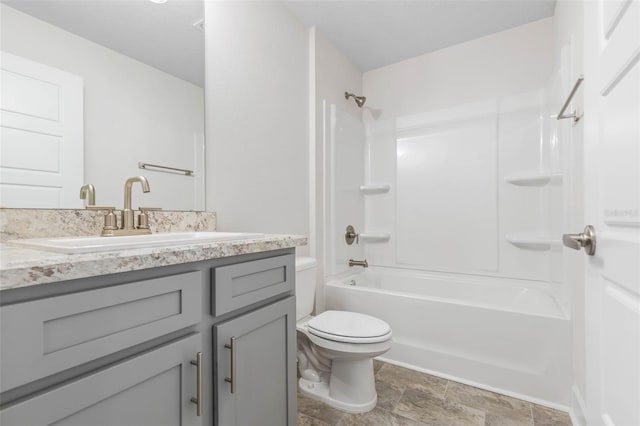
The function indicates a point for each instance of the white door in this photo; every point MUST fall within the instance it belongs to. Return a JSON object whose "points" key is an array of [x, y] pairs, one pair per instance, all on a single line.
{"points": [[612, 205], [41, 139]]}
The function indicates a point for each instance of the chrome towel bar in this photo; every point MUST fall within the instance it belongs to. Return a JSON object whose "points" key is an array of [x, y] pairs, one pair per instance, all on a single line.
{"points": [[574, 114], [147, 165]]}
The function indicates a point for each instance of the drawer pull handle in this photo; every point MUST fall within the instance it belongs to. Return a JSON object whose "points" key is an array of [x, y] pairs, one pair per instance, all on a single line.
{"points": [[198, 400], [232, 379]]}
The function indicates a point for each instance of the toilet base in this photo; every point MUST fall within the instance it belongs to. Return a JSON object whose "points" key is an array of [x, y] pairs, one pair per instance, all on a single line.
{"points": [[320, 392]]}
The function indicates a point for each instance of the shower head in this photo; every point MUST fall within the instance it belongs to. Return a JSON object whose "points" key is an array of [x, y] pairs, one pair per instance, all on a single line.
{"points": [[360, 100]]}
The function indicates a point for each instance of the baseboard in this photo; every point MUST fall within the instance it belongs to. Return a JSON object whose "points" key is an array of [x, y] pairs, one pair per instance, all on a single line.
{"points": [[578, 407], [527, 398]]}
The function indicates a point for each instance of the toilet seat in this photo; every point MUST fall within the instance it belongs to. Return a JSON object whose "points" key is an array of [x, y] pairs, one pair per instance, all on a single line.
{"points": [[349, 327]]}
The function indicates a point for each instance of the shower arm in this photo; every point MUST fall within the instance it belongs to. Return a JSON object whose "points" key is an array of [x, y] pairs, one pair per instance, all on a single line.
{"points": [[360, 100]]}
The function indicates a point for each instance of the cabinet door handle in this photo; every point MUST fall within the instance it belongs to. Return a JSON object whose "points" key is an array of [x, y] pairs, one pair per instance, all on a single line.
{"points": [[232, 379], [198, 399]]}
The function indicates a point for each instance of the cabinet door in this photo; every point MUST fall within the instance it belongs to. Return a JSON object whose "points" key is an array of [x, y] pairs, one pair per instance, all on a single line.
{"points": [[154, 388], [263, 354]]}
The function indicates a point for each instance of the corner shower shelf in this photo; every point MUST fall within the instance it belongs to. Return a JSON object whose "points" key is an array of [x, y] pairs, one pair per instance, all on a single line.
{"points": [[382, 188], [374, 237], [532, 178], [532, 241]]}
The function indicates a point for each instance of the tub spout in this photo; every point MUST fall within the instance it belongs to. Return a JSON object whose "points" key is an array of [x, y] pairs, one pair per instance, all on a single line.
{"points": [[362, 263]]}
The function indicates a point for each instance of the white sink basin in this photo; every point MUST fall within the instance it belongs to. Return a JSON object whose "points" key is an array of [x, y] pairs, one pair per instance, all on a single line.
{"points": [[75, 245]]}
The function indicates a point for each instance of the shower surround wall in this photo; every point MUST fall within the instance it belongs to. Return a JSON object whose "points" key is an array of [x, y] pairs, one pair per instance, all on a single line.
{"points": [[464, 140]]}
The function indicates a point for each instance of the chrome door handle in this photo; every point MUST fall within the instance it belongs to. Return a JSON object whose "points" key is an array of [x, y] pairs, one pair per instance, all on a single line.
{"points": [[198, 399], [586, 240], [232, 378]]}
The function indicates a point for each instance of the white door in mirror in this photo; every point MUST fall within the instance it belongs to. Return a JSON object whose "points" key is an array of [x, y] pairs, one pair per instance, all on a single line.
{"points": [[41, 120]]}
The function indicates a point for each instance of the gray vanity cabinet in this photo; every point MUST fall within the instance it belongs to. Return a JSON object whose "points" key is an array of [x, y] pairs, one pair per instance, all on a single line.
{"points": [[255, 377], [117, 350], [154, 388]]}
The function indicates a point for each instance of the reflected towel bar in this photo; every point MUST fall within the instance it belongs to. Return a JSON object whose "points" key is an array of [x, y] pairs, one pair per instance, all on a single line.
{"points": [[185, 171], [574, 114]]}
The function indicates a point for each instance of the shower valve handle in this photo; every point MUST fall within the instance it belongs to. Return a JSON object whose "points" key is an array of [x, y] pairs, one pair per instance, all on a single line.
{"points": [[350, 235]]}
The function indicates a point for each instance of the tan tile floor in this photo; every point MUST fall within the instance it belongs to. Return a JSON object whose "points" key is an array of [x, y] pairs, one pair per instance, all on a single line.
{"points": [[407, 397]]}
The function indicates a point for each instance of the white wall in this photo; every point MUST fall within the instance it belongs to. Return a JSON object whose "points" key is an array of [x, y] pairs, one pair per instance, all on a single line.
{"points": [[132, 113], [477, 113], [335, 74], [257, 101], [501, 64], [569, 62], [337, 146], [339, 140]]}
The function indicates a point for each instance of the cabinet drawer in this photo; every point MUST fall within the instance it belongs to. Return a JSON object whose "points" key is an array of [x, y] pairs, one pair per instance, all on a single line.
{"points": [[243, 284], [47, 336]]}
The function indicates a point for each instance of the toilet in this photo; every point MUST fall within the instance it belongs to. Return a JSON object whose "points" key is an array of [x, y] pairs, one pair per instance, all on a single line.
{"points": [[336, 349]]}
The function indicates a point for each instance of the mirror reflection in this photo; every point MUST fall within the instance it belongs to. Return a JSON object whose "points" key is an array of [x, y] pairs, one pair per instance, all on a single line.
{"points": [[92, 89]]}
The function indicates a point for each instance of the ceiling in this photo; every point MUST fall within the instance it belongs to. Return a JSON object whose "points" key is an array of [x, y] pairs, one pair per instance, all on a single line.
{"points": [[371, 33], [160, 35], [378, 33]]}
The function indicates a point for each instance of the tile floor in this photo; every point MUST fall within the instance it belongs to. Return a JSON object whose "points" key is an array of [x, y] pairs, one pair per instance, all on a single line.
{"points": [[406, 397]]}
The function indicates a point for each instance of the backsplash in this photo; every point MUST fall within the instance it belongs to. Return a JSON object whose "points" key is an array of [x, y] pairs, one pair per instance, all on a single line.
{"points": [[42, 223]]}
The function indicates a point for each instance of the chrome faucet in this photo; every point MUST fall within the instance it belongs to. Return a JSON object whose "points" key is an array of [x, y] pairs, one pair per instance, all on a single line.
{"points": [[127, 213], [362, 263], [88, 192]]}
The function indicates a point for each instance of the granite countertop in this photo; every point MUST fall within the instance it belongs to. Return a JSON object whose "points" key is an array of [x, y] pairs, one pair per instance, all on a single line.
{"points": [[22, 267]]}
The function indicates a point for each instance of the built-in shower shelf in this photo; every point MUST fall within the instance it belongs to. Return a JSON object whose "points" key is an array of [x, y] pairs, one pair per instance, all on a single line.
{"points": [[374, 237], [382, 188], [532, 178], [532, 241]]}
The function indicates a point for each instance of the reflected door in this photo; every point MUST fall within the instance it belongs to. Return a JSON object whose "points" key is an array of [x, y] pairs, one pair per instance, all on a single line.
{"points": [[41, 143]]}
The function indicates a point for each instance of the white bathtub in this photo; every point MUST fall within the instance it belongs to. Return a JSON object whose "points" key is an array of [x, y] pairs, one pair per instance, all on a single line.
{"points": [[495, 335]]}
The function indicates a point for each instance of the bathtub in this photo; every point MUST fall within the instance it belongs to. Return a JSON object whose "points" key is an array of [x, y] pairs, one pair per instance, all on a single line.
{"points": [[490, 333]]}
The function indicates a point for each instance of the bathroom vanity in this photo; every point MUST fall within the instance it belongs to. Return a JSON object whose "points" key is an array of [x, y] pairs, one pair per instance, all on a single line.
{"points": [[186, 335]]}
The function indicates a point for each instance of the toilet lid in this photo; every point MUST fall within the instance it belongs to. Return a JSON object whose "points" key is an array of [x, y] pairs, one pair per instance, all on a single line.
{"points": [[350, 327]]}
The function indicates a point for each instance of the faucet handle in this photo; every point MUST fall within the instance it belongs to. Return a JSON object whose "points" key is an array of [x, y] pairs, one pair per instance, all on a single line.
{"points": [[143, 218], [110, 219]]}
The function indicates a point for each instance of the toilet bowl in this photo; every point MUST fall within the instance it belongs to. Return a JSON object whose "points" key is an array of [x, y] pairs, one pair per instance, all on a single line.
{"points": [[336, 349]]}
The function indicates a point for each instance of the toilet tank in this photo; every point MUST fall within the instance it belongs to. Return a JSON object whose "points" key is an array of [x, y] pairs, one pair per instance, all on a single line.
{"points": [[305, 286]]}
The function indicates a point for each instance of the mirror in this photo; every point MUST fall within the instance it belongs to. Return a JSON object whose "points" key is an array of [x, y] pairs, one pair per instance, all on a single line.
{"points": [[92, 89]]}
